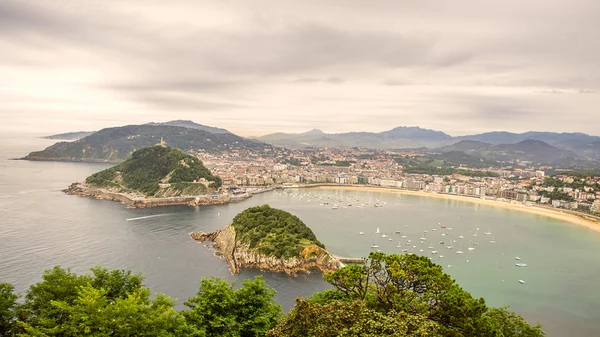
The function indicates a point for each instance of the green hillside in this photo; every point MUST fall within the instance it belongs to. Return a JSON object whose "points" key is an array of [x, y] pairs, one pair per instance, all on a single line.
{"points": [[153, 165], [116, 144], [273, 231]]}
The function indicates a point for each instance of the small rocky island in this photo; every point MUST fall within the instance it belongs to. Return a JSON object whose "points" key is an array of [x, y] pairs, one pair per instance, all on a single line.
{"points": [[270, 239], [156, 176]]}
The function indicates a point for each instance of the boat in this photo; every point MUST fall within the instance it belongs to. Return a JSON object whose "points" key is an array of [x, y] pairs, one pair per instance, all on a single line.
{"points": [[434, 252], [377, 230], [335, 207], [493, 240], [404, 250], [517, 258], [521, 264], [361, 233], [441, 256], [441, 242], [390, 239], [461, 237], [459, 252], [521, 281], [384, 235], [470, 249], [399, 244], [488, 233]]}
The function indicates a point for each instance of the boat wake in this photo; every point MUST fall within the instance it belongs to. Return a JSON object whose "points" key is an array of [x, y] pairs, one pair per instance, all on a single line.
{"points": [[148, 217]]}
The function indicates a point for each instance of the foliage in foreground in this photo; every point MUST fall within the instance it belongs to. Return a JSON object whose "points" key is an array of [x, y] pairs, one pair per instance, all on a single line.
{"points": [[407, 292], [273, 231], [391, 295]]}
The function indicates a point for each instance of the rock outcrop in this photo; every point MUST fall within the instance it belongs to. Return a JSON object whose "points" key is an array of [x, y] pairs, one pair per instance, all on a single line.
{"points": [[239, 255], [140, 201]]}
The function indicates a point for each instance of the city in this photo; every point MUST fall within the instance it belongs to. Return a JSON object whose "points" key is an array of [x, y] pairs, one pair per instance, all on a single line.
{"points": [[252, 171]]}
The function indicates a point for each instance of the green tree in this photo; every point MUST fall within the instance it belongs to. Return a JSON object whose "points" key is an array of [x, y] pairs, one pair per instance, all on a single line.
{"points": [[220, 310], [8, 306], [414, 287], [509, 324], [350, 318]]}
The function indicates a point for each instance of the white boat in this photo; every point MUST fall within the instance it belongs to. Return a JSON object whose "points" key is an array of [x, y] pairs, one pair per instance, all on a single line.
{"points": [[390, 239], [441, 256], [361, 233], [374, 245], [335, 207], [461, 237], [459, 252], [521, 281], [377, 230], [421, 250], [521, 264], [384, 235], [470, 249], [434, 252], [517, 258], [493, 240], [404, 250], [399, 244], [488, 233]]}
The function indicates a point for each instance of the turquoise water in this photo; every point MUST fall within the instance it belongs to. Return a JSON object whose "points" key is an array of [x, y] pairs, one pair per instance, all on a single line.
{"points": [[41, 227]]}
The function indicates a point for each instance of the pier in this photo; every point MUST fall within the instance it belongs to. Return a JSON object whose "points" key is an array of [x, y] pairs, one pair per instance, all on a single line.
{"points": [[353, 260]]}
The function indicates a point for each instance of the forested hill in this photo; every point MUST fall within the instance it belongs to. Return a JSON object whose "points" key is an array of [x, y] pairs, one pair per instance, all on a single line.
{"points": [[273, 231], [116, 144], [153, 165]]}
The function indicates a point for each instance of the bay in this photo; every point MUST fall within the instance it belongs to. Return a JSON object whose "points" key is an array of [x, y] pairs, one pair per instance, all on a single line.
{"points": [[41, 227]]}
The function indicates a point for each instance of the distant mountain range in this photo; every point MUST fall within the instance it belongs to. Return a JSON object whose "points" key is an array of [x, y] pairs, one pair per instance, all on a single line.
{"points": [[116, 144], [179, 122]]}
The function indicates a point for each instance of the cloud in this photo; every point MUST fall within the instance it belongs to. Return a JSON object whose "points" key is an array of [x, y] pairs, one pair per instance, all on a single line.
{"points": [[272, 60]]}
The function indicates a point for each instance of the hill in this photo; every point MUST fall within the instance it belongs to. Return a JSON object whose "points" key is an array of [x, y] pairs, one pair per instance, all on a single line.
{"points": [[273, 232], [116, 144], [191, 125], [70, 135], [181, 174], [270, 239], [399, 137], [534, 151]]}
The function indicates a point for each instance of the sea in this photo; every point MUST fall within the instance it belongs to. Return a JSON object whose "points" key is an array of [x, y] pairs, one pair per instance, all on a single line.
{"points": [[41, 227]]}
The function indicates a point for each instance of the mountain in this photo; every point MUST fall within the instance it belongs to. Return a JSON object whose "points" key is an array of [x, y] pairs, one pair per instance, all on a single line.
{"points": [[502, 137], [534, 151], [191, 125], [400, 137], [179, 122], [147, 168], [70, 135], [116, 144]]}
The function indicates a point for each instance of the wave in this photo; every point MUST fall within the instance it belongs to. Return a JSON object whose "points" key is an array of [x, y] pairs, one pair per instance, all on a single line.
{"points": [[147, 217]]}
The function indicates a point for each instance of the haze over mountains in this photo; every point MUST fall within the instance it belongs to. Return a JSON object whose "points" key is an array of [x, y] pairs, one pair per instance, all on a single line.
{"points": [[499, 147]]}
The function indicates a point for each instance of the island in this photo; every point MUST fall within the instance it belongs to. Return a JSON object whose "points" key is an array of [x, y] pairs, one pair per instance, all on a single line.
{"points": [[270, 239], [156, 176]]}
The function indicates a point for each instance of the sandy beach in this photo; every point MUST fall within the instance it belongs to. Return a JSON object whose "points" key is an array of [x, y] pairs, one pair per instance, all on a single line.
{"points": [[562, 215]]}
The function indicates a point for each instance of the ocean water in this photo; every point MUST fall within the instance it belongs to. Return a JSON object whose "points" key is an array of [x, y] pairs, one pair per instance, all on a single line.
{"points": [[41, 227]]}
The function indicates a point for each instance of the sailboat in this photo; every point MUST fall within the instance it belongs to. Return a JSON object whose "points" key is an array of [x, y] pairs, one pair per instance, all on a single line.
{"points": [[459, 251], [377, 232], [493, 239], [399, 244]]}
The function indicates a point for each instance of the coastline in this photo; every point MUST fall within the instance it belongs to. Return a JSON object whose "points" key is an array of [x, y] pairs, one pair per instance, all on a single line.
{"points": [[136, 201], [556, 214]]}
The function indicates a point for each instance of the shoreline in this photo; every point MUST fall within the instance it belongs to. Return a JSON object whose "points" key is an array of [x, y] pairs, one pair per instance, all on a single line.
{"points": [[556, 214], [133, 202]]}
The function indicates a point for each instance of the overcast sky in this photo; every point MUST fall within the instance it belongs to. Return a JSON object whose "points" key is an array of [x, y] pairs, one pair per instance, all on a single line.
{"points": [[256, 67]]}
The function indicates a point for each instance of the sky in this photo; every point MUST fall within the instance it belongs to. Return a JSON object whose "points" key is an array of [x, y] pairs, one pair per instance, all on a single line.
{"points": [[262, 66]]}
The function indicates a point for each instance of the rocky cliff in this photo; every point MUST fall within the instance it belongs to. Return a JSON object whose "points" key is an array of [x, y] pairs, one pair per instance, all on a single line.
{"points": [[140, 201], [239, 255]]}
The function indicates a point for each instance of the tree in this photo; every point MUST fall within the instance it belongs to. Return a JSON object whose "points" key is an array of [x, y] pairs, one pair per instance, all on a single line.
{"points": [[8, 305], [509, 324], [220, 310], [105, 303], [407, 286], [350, 318]]}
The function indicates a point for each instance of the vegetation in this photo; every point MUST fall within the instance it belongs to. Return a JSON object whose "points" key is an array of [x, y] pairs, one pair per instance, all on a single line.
{"points": [[440, 162], [148, 167], [115, 303], [273, 231], [392, 295], [398, 295], [220, 310], [449, 171], [116, 144]]}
